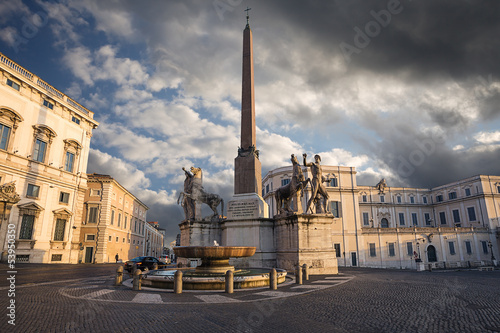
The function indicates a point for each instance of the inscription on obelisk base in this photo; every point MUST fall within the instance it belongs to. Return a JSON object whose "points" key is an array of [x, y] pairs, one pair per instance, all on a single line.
{"points": [[247, 206]]}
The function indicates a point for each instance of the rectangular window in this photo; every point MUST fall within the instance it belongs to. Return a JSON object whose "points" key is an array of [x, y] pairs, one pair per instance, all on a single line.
{"points": [[92, 215], [333, 182], [498, 188], [112, 217], [401, 218], [485, 247], [373, 251], [135, 227], [335, 208], [4, 136], [13, 84], [409, 248], [467, 192], [56, 257], [442, 217], [424, 199], [414, 218], [125, 222], [117, 239], [392, 251], [109, 238], [364, 198], [267, 188], [27, 227], [90, 237], [427, 218], [452, 195], [39, 151], [48, 104], [398, 199], [412, 200], [285, 182], [119, 219], [75, 120], [70, 158], [452, 247], [472, 214], [382, 198], [456, 216], [468, 247], [64, 197], [366, 219], [59, 231], [439, 198], [33, 191]]}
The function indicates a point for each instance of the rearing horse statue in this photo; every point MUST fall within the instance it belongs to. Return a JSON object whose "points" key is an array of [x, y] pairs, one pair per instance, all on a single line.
{"points": [[199, 195]]}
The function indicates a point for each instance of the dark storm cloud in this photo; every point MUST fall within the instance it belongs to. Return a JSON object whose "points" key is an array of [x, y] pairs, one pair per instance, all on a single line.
{"points": [[425, 37]]}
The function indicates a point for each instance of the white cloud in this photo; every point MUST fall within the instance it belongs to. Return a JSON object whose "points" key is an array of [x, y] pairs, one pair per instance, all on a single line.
{"points": [[104, 65], [487, 137], [125, 173]]}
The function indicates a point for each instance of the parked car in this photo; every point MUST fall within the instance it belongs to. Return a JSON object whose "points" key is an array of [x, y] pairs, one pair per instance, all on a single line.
{"points": [[164, 258], [143, 262]]}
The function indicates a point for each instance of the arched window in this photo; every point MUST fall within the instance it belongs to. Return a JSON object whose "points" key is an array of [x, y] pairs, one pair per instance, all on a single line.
{"points": [[9, 121], [384, 223], [42, 140], [72, 150]]}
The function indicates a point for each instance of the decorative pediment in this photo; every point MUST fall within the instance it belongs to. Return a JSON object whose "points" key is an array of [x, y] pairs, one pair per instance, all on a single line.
{"points": [[30, 208], [44, 131], [62, 213], [8, 193]]}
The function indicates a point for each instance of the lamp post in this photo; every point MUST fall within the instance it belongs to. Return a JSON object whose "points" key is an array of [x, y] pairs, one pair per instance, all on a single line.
{"points": [[491, 250]]}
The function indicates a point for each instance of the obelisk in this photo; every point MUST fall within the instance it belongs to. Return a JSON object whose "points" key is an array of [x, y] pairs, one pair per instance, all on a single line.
{"points": [[247, 172], [247, 201]]}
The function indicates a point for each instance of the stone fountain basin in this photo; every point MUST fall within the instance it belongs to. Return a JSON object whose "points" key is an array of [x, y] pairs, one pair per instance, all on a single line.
{"points": [[214, 252]]}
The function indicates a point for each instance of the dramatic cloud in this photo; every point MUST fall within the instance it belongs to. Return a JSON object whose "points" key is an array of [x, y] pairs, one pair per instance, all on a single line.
{"points": [[403, 90]]}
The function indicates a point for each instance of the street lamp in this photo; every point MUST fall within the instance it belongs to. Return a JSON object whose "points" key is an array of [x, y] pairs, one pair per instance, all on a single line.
{"points": [[491, 250]]}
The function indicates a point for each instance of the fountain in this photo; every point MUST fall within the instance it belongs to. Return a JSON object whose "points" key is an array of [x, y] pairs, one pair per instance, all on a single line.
{"points": [[210, 275]]}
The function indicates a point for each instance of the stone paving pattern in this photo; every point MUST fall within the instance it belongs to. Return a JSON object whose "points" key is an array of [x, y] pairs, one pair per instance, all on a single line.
{"points": [[373, 301]]}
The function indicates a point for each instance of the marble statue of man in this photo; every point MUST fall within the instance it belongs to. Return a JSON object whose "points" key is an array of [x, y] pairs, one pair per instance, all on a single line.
{"points": [[188, 203], [317, 187]]}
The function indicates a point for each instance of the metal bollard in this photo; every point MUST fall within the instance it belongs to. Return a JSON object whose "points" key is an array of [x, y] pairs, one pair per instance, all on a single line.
{"points": [[229, 282], [178, 282], [298, 275], [137, 280], [273, 279], [119, 276], [305, 272], [155, 266]]}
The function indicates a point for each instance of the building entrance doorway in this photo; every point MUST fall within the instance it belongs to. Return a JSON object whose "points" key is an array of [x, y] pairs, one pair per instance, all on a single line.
{"points": [[89, 251], [431, 254], [354, 261]]}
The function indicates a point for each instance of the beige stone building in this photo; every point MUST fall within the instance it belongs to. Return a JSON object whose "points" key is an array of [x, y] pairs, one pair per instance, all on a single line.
{"points": [[153, 239], [453, 225], [44, 147], [114, 222]]}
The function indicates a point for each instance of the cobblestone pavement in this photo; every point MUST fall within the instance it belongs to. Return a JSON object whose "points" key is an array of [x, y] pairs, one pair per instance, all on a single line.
{"points": [[359, 300]]}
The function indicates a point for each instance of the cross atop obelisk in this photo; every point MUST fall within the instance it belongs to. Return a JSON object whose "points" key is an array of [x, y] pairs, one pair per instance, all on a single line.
{"points": [[247, 173], [247, 10]]}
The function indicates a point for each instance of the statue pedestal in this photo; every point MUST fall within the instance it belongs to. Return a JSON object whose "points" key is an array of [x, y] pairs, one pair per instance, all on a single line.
{"points": [[305, 239], [247, 206]]}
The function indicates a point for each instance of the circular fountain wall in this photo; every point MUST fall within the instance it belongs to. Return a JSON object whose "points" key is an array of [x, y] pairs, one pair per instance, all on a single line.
{"points": [[210, 275]]}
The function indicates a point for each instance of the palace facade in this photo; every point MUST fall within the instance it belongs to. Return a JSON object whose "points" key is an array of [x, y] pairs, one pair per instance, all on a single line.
{"points": [[44, 147], [452, 225]]}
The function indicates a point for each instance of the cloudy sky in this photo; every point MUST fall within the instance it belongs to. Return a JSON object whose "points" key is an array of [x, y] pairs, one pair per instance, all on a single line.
{"points": [[406, 90]]}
